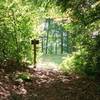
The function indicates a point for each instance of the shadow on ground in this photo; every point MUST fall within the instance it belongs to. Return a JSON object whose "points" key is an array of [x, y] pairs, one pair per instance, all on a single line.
{"points": [[48, 85]]}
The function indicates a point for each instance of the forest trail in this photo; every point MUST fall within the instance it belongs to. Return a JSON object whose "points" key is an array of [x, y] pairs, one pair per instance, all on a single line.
{"points": [[47, 65], [51, 62], [47, 85]]}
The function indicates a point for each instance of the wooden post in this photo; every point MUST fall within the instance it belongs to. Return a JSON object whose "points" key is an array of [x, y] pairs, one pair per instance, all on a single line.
{"points": [[34, 42]]}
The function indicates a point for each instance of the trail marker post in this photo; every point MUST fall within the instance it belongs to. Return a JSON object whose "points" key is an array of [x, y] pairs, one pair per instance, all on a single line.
{"points": [[34, 43]]}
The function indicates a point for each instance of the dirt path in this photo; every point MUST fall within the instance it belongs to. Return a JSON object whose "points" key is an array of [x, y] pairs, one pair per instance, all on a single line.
{"points": [[50, 62], [48, 85], [47, 65]]}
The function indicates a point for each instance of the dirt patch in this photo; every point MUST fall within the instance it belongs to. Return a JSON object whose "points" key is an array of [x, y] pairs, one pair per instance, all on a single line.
{"points": [[48, 85]]}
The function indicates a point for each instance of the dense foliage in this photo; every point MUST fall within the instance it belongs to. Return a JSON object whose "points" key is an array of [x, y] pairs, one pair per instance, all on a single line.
{"points": [[19, 21], [18, 24], [15, 31], [86, 38]]}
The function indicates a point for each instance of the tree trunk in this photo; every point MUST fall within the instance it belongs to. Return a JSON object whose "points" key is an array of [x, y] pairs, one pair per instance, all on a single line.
{"points": [[47, 42], [62, 43]]}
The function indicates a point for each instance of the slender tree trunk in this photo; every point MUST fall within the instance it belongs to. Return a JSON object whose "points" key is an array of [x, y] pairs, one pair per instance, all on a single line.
{"points": [[42, 43], [56, 44], [62, 43], [67, 43], [47, 42]]}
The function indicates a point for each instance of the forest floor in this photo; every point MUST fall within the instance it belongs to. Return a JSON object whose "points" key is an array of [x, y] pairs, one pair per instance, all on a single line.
{"points": [[50, 61], [47, 85]]}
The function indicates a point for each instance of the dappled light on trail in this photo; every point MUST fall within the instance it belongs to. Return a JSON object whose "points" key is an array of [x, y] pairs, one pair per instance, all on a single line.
{"points": [[47, 65], [51, 62], [47, 85]]}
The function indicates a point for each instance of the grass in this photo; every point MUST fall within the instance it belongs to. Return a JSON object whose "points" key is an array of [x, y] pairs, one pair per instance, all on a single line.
{"points": [[52, 60]]}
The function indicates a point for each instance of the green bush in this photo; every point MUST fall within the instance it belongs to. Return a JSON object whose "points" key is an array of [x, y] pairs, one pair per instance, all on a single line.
{"points": [[74, 62], [15, 32], [84, 61]]}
